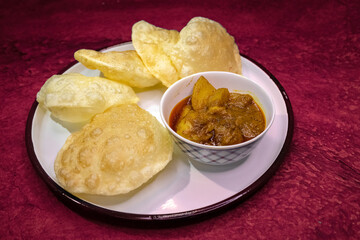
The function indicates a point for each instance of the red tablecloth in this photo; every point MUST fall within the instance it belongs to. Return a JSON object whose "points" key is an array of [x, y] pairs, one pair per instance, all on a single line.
{"points": [[312, 48]]}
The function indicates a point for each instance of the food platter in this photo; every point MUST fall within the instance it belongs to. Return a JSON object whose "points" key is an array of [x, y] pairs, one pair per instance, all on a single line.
{"points": [[184, 189]]}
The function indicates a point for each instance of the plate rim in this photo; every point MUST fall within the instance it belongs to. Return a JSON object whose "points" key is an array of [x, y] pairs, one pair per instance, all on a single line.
{"points": [[93, 211]]}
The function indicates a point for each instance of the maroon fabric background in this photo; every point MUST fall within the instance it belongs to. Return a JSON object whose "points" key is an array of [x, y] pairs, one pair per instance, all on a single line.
{"points": [[312, 48]]}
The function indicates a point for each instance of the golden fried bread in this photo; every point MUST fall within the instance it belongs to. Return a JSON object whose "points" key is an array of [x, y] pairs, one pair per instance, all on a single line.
{"points": [[202, 45], [74, 97], [117, 152], [126, 67]]}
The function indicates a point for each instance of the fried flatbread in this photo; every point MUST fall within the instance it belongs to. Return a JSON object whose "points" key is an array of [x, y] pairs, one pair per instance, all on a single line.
{"points": [[117, 152], [74, 97], [202, 45], [125, 67]]}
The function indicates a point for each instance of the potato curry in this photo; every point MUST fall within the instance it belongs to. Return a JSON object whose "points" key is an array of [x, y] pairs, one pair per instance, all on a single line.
{"points": [[217, 117]]}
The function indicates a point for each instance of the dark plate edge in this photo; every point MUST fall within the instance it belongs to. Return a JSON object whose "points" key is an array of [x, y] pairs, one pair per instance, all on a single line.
{"points": [[139, 220]]}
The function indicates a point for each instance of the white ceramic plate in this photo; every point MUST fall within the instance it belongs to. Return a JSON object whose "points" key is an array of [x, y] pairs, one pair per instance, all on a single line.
{"points": [[184, 188]]}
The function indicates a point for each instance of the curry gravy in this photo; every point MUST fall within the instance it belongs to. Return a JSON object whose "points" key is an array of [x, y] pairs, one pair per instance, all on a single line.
{"points": [[236, 120]]}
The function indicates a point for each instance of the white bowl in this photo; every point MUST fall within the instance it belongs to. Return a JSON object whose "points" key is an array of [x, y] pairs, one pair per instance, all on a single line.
{"points": [[216, 155]]}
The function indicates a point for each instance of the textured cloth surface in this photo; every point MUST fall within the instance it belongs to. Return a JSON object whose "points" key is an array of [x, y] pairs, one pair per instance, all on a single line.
{"points": [[311, 47]]}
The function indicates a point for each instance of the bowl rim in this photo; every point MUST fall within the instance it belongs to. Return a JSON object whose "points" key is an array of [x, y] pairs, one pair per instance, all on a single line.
{"points": [[211, 147]]}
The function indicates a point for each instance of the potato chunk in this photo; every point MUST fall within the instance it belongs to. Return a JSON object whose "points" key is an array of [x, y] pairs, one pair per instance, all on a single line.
{"points": [[194, 126], [202, 90], [219, 98]]}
